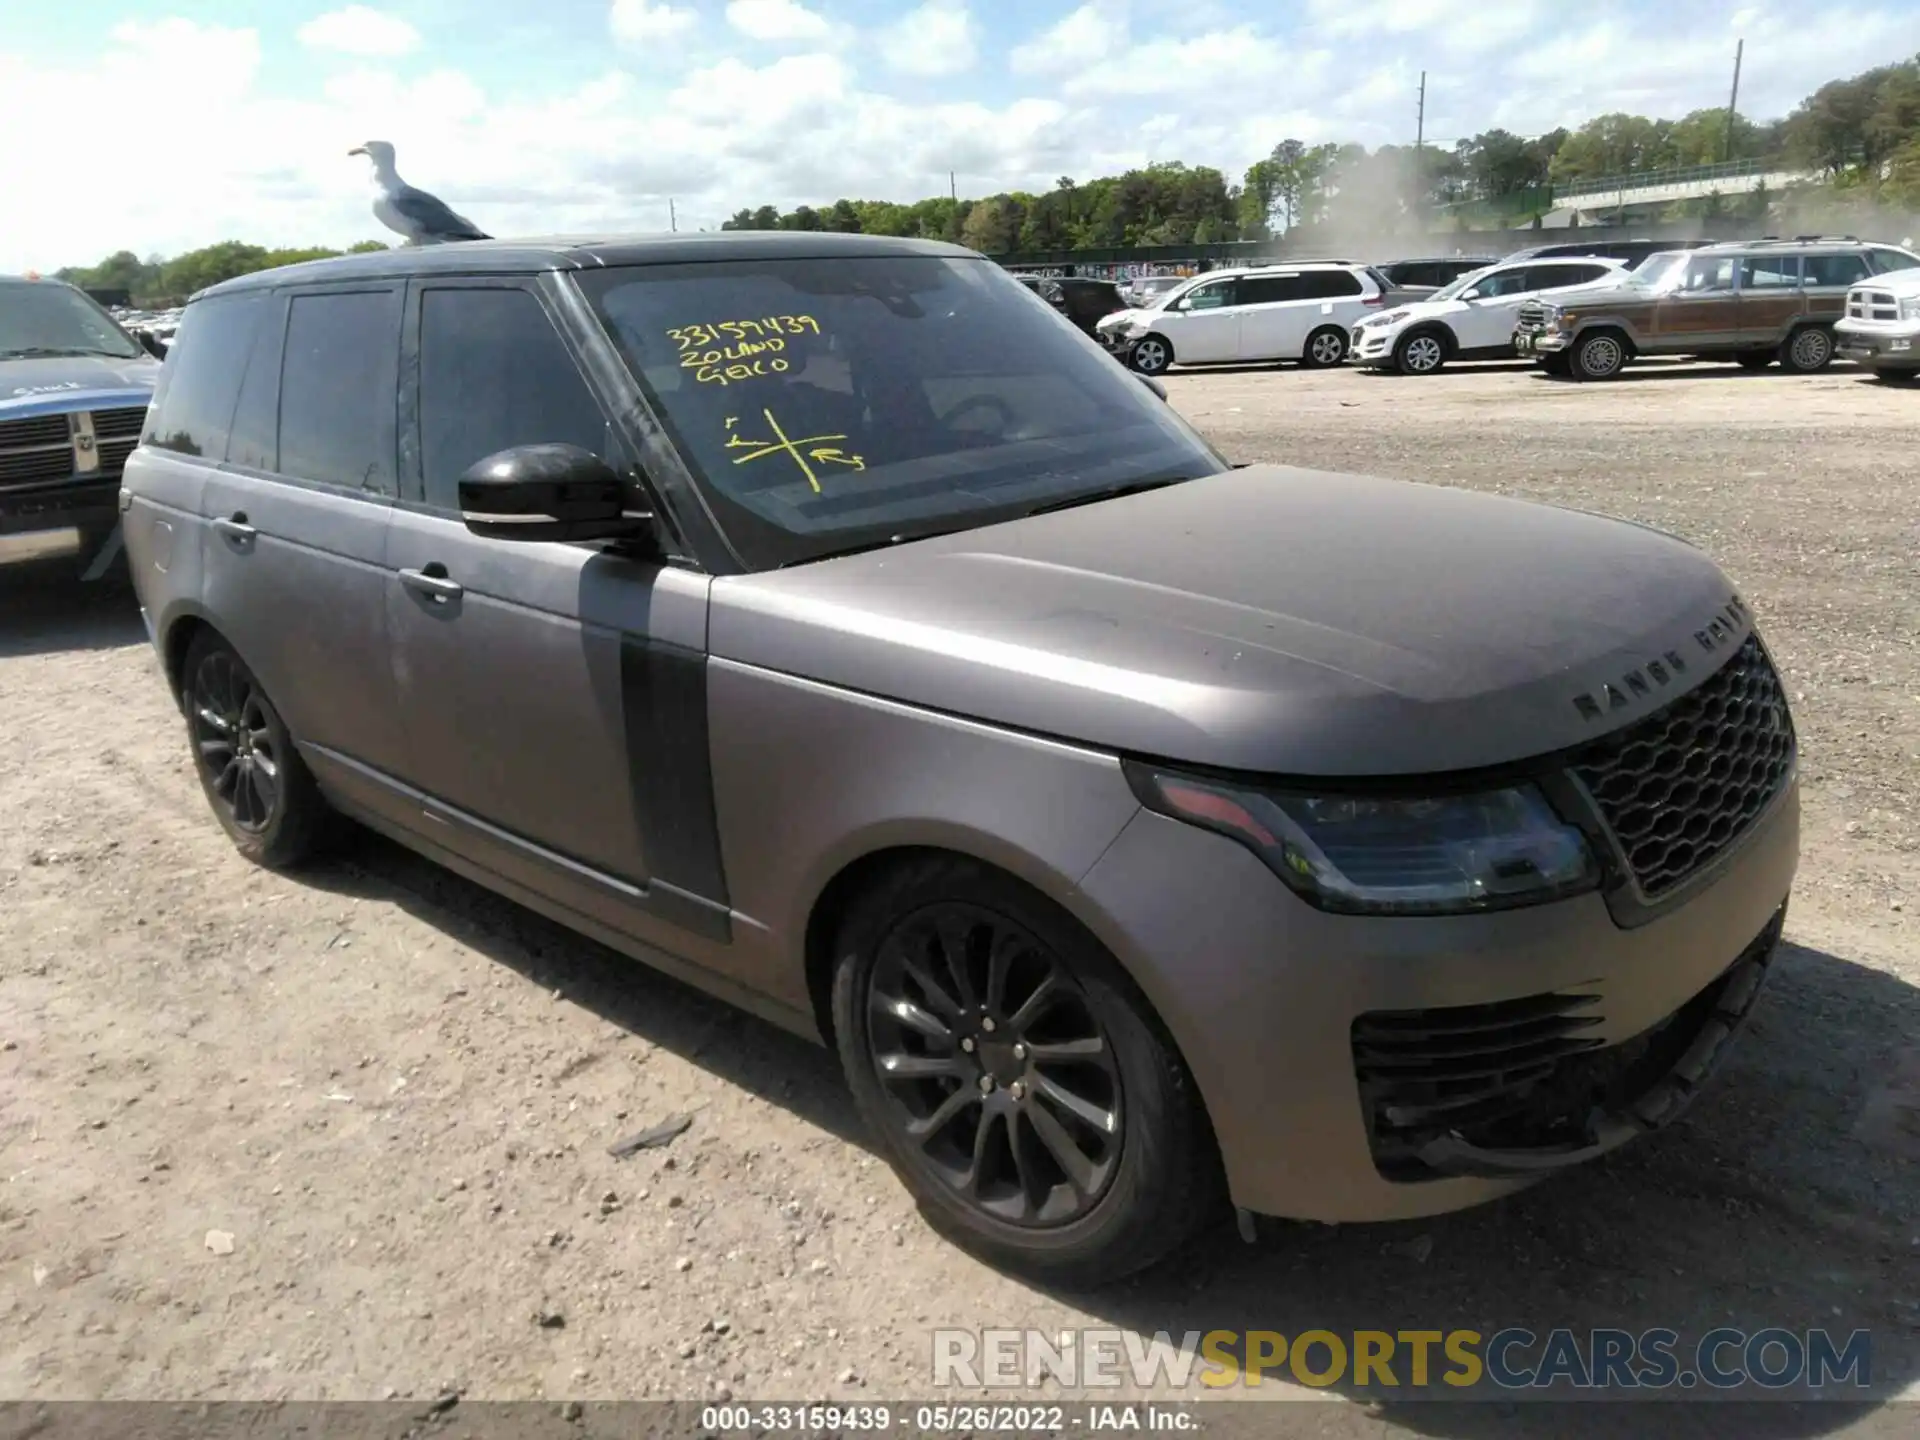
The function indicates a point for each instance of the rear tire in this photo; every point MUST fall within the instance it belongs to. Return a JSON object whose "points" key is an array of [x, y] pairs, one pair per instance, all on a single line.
{"points": [[1807, 350], [1151, 355], [935, 973], [1599, 355], [1754, 359], [250, 770], [1325, 348], [1421, 353]]}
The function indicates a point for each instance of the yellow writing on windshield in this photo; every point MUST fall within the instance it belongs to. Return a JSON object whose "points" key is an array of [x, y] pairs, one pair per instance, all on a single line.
{"points": [[806, 451], [721, 332]]}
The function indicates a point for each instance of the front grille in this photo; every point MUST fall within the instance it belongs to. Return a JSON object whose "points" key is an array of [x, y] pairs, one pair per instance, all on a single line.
{"points": [[23, 467], [41, 430], [112, 424], [1872, 305], [1682, 785], [114, 453], [1533, 314]]}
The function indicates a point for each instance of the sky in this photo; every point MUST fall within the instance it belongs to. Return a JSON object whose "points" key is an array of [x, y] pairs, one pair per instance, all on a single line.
{"points": [[162, 126]]}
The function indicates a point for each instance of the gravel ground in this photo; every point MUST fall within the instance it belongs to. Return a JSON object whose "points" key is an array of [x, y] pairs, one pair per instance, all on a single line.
{"points": [[344, 1135]]}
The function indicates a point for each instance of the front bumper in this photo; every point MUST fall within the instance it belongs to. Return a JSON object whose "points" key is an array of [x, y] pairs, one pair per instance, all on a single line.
{"points": [[90, 506], [1288, 1016], [1537, 340], [1372, 345], [1884, 345]]}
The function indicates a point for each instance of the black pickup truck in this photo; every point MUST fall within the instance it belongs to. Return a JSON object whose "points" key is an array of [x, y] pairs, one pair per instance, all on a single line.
{"points": [[74, 388]]}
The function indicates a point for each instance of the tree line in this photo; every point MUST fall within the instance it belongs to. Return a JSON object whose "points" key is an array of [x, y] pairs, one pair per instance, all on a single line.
{"points": [[1859, 136]]}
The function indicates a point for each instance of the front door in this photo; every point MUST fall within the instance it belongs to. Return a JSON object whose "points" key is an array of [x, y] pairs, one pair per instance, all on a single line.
{"points": [[554, 694], [1204, 324], [296, 524], [1701, 310]]}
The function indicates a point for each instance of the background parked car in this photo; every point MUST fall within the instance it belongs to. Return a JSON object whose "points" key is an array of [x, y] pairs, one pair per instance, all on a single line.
{"points": [[1300, 312], [1145, 289], [1432, 274], [1471, 319], [1881, 329]]}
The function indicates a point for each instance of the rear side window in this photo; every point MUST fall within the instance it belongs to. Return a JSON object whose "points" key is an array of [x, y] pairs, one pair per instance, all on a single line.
{"points": [[1270, 289], [192, 408], [1550, 277], [338, 384], [1769, 272], [1330, 284], [1835, 269], [494, 374]]}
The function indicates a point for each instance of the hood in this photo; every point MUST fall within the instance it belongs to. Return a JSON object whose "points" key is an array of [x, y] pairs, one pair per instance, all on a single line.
{"points": [[74, 382], [1612, 293], [1408, 311], [1270, 620]]}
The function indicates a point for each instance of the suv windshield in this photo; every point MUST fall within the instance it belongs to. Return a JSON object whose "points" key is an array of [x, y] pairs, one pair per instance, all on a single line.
{"points": [[47, 318], [1660, 271], [825, 405]]}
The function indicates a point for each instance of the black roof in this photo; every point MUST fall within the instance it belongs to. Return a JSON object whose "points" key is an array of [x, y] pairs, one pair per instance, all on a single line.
{"points": [[588, 252]]}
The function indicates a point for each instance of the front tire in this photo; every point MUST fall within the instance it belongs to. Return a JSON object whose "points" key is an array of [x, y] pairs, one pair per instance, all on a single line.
{"points": [[1807, 350], [1152, 355], [1325, 348], [1018, 1082], [1601, 355], [258, 786], [1421, 353]]}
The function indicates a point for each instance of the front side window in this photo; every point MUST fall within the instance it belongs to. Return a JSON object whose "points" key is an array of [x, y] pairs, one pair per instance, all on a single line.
{"points": [[1211, 297], [827, 404], [48, 318], [192, 408], [338, 384], [494, 374]]}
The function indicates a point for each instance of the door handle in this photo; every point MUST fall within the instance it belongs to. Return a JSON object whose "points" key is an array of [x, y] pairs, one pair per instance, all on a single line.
{"points": [[433, 583], [235, 526]]}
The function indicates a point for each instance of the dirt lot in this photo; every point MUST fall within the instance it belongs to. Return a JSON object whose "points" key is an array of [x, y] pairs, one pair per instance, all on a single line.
{"points": [[391, 1093]]}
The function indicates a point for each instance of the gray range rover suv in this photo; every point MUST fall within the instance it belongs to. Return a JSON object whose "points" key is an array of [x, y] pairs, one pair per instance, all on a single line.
{"points": [[822, 619]]}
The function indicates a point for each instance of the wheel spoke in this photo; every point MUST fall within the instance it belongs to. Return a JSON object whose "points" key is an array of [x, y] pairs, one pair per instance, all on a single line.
{"points": [[982, 1142], [1030, 1191], [1066, 1052], [1073, 1161], [216, 751], [927, 1129], [1035, 1004], [999, 962], [223, 783], [265, 792], [213, 719], [936, 994], [903, 1011], [1078, 1106], [901, 1066], [953, 938]]}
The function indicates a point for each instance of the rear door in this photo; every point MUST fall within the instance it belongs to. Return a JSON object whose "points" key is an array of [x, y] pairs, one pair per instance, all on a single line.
{"points": [[554, 694], [296, 525], [1204, 323], [1333, 297], [1771, 298], [1825, 280], [1270, 312]]}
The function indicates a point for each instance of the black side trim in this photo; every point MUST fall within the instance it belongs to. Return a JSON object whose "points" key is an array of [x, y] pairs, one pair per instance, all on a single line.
{"points": [[664, 695]]}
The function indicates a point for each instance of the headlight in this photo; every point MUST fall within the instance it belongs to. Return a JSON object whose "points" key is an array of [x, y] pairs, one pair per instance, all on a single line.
{"points": [[1391, 317], [1910, 309], [1385, 855]]}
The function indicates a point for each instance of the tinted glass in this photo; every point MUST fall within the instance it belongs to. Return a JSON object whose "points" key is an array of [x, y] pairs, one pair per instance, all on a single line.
{"points": [[337, 389], [49, 318], [1708, 272], [1330, 284], [1885, 259], [1834, 269], [494, 374], [1271, 289], [824, 404], [193, 404], [1769, 272], [255, 440], [1502, 282]]}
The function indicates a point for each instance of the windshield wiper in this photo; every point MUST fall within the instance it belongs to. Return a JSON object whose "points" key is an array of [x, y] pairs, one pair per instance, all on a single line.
{"points": [[47, 352], [1111, 492]]}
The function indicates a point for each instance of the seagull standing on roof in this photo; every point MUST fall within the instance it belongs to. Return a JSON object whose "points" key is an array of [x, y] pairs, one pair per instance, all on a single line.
{"points": [[424, 219]]}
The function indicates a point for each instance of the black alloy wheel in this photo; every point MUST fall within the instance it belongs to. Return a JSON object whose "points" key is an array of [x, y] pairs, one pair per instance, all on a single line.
{"points": [[994, 1065]]}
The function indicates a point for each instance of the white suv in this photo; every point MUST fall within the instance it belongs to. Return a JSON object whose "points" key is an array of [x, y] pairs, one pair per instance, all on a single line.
{"points": [[1471, 319], [1881, 329], [1277, 312]]}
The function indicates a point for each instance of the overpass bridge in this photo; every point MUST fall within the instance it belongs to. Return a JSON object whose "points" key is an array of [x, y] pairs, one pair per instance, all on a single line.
{"points": [[1593, 200]]}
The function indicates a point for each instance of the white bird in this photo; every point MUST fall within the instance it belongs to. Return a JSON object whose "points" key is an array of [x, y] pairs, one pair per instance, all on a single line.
{"points": [[424, 219]]}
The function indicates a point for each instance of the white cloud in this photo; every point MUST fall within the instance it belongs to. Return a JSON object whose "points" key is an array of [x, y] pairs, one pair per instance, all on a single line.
{"points": [[936, 39], [1084, 37], [359, 30], [636, 22], [776, 20]]}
